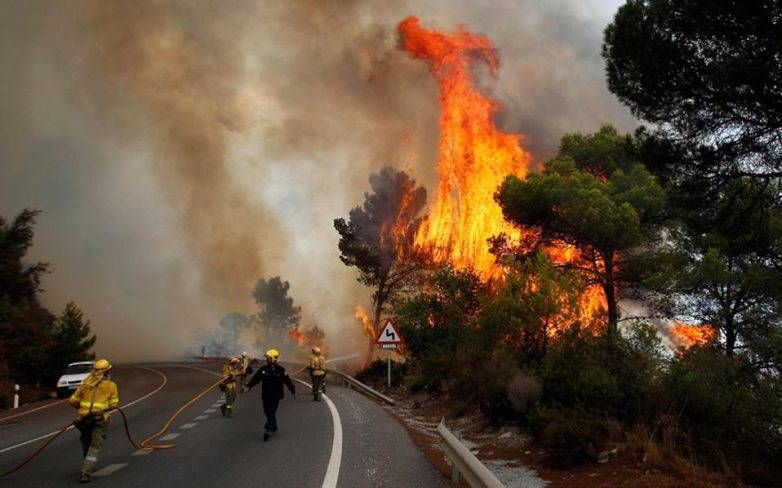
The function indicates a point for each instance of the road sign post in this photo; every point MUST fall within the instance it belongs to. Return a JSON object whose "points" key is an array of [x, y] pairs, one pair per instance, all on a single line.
{"points": [[388, 339]]}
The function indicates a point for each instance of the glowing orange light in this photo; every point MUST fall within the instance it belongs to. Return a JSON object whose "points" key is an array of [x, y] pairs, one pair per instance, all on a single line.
{"points": [[366, 323], [687, 335]]}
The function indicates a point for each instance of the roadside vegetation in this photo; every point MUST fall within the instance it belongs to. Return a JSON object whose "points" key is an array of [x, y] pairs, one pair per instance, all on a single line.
{"points": [[679, 226], [35, 344]]}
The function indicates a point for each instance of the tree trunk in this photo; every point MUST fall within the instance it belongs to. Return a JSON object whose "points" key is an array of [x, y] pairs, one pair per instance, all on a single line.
{"points": [[375, 328], [608, 288], [730, 338]]}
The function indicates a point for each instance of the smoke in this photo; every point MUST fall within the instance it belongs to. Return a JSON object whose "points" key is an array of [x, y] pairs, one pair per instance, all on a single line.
{"points": [[182, 150]]}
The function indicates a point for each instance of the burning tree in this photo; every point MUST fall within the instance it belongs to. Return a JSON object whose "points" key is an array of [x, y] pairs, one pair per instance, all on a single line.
{"points": [[602, 210], [378, 237], [474, 155]]}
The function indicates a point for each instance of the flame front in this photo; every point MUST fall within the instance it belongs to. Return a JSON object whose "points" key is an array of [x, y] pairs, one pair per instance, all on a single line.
{"points": [[687, 335], [366, 322], [307, 339], [474, 155]]}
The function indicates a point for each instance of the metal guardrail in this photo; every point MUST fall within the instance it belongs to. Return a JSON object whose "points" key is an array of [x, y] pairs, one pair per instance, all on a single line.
{"points": [[464, 463], [352, 382]]}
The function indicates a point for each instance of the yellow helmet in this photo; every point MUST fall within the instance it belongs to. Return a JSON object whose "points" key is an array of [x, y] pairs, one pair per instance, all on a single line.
{"points": [[233, 360], [101, 366], [273, 354], [316, 351]]}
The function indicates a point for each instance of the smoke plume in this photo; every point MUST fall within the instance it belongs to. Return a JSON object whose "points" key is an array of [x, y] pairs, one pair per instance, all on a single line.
{"points": [[181, 150]]}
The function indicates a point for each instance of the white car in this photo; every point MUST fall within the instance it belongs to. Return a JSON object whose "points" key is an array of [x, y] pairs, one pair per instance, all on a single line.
{"points": [[73, 377]]}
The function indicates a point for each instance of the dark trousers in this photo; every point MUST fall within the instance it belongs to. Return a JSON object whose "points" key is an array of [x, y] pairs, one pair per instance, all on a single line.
{"points": [[270, 410], [92, 438]]}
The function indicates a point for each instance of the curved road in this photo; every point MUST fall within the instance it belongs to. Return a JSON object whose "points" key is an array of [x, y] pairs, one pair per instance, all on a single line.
{"points": [[365, 447]]}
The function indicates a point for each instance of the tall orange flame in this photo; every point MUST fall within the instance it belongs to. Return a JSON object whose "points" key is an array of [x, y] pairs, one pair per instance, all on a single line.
{"points": [[474, 155], [366, 322]]}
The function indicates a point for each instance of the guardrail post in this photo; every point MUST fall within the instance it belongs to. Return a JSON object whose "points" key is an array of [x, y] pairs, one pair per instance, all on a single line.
{"points": [[16, 396]]}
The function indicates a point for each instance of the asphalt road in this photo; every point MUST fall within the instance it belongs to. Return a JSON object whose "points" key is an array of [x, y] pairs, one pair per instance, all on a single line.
{"points": [[346, 441]]}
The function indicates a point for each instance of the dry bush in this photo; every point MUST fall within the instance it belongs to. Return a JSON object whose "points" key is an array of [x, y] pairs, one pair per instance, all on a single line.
{"points": [[523, 392]]}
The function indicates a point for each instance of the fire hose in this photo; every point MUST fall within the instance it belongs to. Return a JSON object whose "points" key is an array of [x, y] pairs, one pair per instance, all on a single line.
{"points": [[142, 446]]}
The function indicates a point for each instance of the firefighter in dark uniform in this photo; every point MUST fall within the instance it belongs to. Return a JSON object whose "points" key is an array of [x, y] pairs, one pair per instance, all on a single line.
{"points": [[274, 377]]}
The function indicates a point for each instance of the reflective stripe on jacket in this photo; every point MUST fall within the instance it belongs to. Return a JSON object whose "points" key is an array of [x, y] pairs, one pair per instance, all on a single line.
{"points": [[95, 399]]}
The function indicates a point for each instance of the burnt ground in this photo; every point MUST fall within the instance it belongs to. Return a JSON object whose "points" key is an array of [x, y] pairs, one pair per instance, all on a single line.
{"points": [[515, 459]]}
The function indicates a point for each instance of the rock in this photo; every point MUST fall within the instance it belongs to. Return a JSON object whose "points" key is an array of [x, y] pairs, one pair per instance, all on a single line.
{"points": [[506, 435], [602, 458]]}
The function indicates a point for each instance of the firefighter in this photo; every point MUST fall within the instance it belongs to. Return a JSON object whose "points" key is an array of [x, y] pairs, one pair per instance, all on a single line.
{"points": [[317, 370], [95, 398], [246, 369], [231, 369], [274, 377]]}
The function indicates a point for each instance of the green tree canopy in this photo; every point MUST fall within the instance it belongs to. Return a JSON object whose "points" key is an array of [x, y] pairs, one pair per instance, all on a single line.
{"points": [[720, 270], [35, 344], [277, 309], [603, 217], [19, 281], [72, 339], [708, 73]]}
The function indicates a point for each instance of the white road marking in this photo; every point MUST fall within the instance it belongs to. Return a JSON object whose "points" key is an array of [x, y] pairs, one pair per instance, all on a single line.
{"points": [[210, 410], [142, 452], [109, 469], [335, 460], [3, 419], [165, 380], [170, 437], [216, 405], [188, 426], [201, 417]]}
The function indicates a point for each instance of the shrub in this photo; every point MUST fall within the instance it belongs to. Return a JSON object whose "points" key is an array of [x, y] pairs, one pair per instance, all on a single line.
{"points": [[523, 392], [377, 372], [573, 435]]}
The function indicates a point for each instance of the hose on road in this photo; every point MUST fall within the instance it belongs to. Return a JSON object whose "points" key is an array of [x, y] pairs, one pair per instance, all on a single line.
{"points": [[37, 452], [142, 446]]}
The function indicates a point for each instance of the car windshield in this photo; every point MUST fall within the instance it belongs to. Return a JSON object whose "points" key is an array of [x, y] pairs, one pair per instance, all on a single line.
{"points": [[78, 369]]}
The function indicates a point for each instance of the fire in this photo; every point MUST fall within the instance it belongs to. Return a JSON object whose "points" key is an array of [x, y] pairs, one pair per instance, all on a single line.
{"points": [[366, 322], [474, 155], [687, 335], [474, 158], [307, 339]]}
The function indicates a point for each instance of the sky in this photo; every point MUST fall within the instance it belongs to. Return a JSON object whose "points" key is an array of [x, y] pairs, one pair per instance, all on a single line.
{"points": [[180, 150]]}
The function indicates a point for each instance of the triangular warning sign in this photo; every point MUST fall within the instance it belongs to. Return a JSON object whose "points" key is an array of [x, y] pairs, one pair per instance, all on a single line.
{"points": [[388, 334]]}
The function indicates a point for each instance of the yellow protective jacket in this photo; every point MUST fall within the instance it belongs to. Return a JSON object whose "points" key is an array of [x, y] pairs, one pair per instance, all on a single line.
{"points": [[230, 372], [245, 364], [317, 365], [92, 398]]}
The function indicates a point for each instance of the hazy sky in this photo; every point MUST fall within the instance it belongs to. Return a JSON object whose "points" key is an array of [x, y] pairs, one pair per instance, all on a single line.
{"points": [[180, 150]]}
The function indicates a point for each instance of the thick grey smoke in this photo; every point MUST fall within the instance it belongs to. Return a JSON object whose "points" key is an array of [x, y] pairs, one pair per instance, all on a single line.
{"points": [[180, 150]]}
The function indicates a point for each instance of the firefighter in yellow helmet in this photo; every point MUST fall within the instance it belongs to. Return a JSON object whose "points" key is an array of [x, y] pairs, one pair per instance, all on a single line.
{"points": [[231, 369], [95, 398], [274, 377], [317, 368]]}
